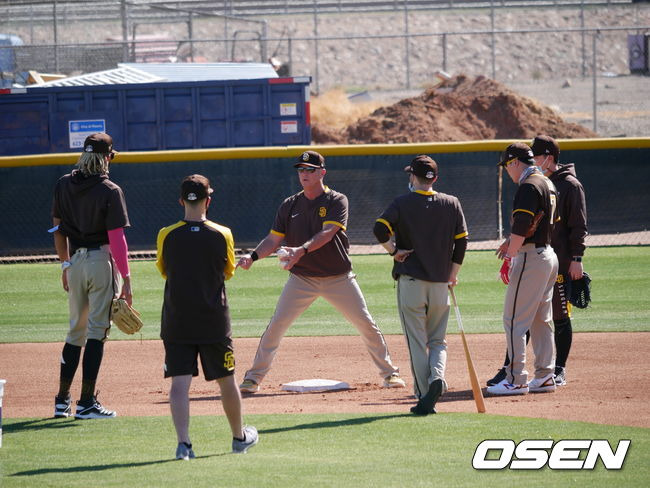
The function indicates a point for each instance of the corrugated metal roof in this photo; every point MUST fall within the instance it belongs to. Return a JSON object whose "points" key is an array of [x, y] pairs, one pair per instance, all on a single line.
{"points": [[119, 76], [127, 73], [206, 71]]}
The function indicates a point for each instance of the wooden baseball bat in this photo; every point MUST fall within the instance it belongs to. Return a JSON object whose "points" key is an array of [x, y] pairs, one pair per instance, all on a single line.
{"points": [[476, 389]]}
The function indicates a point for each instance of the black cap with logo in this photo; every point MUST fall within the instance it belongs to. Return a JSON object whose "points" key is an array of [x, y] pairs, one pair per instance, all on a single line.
{"points": [[543, 145], [195, 187], [311, 159], [519, 151], [423, 166]]}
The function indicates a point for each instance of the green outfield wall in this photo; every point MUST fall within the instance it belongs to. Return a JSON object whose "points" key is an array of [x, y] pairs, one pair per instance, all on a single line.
{"points": [[250, 183]]}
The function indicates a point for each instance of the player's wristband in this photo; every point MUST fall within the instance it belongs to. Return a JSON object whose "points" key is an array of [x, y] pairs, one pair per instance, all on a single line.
{"points": [[394, 252], [305, 248], [577, 259], [254, 256], [65, 265]]}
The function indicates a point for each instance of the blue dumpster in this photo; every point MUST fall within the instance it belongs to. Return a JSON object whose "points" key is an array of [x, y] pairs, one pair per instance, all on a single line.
{"points": [[157, 116]]}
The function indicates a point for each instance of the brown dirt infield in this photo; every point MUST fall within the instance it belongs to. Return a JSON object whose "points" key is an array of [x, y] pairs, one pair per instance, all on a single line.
{"points": [[604, 385]]}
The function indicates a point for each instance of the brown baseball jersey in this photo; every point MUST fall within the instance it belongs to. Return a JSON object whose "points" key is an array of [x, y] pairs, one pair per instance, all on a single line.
{"points": [[195, 258], [88, 208], [535, 194], [298, 219], [430, 223]]}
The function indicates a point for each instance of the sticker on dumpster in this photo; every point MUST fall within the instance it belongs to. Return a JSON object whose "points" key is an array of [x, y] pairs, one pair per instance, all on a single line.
{"points": [[288, 109], [78, 130], [289, 127]]}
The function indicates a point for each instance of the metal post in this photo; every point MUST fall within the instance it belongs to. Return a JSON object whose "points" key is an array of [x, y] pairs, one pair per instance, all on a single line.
{"points": [[316, 47], [444, 52], [265, 29], [406, 45], [582, 36], [290, 55], [56, 39], [595, 85], [494, 55], [125, 32], [225, 32], [190, 32], [500, 203]]}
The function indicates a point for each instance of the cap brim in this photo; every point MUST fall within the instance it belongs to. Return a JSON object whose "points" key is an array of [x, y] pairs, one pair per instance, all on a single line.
{"points": [[308, 165]]}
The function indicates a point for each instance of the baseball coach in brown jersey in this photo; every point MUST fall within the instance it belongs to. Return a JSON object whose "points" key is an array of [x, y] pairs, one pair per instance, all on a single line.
{"points": [[89, 216], [428, 247], [568, 241], [530, 269], [196, 256], [312, 225]]}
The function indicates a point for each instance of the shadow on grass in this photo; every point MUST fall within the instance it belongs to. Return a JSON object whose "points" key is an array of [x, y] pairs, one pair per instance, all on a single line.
{"points": [[334, 423], [103, 467], [39, 424]]}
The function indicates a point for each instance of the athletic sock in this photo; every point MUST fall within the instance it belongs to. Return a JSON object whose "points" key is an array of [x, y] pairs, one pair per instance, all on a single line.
{"points": [[563, 339], [69, 363], [92, 360]]}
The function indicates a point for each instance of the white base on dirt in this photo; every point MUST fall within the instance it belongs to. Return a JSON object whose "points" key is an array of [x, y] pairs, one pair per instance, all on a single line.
{"points": [[302, 386]]}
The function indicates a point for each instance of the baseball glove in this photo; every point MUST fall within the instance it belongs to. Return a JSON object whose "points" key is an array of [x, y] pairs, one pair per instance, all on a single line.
{"points": [[580, 295], [124, 317]]}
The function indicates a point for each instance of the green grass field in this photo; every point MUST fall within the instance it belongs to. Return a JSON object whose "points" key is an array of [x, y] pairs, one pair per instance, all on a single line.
{"points": [[388, 450], [337, 450], [33, 306]]}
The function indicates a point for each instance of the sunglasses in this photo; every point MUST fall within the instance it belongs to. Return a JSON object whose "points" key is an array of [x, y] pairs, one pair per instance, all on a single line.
{"points": [[306, 170], [509, 162]]}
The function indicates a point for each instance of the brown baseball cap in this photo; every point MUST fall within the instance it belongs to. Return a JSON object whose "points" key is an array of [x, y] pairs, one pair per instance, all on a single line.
{"points": [[98, 143], [195, 187], [543, 145], [519, 151], [423, 166], [311, 159]]}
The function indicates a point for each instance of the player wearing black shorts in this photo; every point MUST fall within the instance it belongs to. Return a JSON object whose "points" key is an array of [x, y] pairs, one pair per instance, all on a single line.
{"points": [[196, 257]]}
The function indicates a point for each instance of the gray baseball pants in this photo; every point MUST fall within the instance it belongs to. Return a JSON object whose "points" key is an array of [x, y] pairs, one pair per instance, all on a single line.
{"points": [[528, 306], [343, 292], [424, 313], [92, 282]]}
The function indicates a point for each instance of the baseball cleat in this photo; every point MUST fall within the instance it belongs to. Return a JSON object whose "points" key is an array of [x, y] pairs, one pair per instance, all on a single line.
{"points": [[498, 378], [394, 381], [560, 376], [62, 407], [184, 451], [505, 388], [542, 385], [250, 439], [427, 403], [249, 386], [93, 410]]}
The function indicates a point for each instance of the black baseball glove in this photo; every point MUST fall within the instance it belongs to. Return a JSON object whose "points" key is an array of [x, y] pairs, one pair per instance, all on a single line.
{"points": [[580, 295]]}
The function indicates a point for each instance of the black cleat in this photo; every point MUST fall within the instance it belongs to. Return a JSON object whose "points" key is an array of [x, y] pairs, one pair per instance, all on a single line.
{"points": [[498, 378]]}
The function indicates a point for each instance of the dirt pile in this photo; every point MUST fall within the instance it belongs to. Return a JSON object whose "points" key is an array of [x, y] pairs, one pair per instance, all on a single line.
{"points": [[459, 109]]}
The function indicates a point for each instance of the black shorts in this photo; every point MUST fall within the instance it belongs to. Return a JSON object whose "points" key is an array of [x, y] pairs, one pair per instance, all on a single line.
{"points": [[217, 360]]}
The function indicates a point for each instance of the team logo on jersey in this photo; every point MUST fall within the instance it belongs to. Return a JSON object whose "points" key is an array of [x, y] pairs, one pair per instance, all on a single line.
{"points": [[229, 361], [322, 212]]}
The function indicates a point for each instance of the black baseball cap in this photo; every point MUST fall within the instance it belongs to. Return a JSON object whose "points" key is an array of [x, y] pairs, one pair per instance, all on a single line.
{"points": [[423, 166], [519, 151], [98, 143], [195, 187], [543, 145], [311, 159]]}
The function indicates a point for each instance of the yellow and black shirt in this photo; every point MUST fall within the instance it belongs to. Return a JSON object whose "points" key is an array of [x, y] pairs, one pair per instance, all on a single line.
{"points": [[298, 219], [430, 223], [195, 258]]}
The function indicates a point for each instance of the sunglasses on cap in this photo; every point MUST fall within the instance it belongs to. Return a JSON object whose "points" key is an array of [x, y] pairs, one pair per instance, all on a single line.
{"points": [[305, 169], [509, 162]]}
